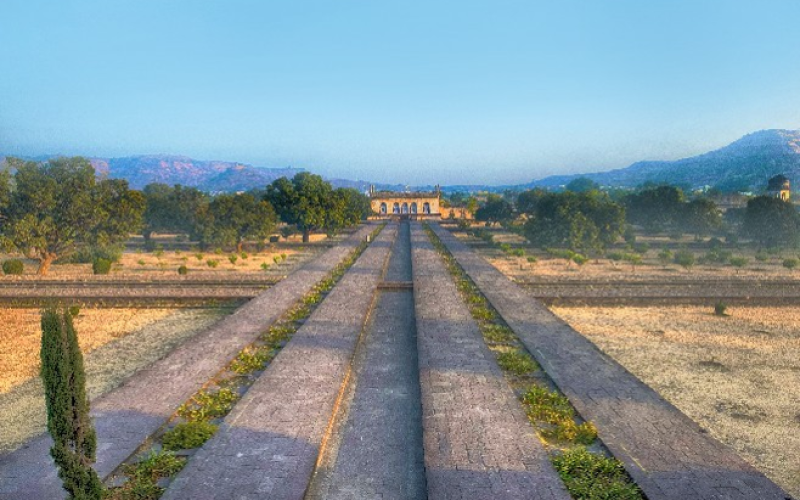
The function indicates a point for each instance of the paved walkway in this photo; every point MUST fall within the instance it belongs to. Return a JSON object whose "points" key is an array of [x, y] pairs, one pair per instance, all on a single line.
{"points": [[378, 450], [268, 445], [127, 416], [477, 439], [669, 456]]}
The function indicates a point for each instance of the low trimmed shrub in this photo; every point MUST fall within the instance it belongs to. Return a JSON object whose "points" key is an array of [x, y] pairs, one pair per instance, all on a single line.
{"points": [[790, 263], [13, 267], [738, 262], [101, 266], [720, 308], [183, 270], [684, 258], [74, 311], [580, 259]]}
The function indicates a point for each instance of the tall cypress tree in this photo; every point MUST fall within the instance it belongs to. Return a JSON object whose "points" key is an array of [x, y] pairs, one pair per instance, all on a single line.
{"points": [[68, 420]]}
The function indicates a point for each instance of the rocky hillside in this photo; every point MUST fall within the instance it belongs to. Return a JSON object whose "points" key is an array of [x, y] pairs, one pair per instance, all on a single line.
{"points": [[744, 165], [212, 176]]}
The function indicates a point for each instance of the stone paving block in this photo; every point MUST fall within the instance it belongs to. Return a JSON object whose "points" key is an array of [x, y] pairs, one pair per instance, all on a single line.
{"points": [[377, 452], [268, 445], [668, 455], [477, 440], [125, 417]]}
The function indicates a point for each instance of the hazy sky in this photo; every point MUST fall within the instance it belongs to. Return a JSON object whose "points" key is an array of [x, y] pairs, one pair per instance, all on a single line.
{"points": [[397, 91]]}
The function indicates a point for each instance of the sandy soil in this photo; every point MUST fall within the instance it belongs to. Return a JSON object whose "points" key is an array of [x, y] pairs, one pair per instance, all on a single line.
{"points": [[738, 376], [116, 343]]}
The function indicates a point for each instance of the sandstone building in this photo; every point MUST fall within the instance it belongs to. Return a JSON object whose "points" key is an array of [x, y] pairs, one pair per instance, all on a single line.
{"points": [[398, 205]]}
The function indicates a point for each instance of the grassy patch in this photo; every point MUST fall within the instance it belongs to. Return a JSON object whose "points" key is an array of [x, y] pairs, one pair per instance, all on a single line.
{"points": [[252, 360], [498, 334], [517, 363], [188, 435], [555, 416], [206, 405], [143, 477], [589, 476]]}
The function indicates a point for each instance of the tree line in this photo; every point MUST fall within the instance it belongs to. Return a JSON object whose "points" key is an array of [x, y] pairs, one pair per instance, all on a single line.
{"points": [[55, 209], [584, 218]]}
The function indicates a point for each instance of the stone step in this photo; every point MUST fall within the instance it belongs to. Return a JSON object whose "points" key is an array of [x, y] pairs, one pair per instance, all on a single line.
{"points": [[668, 455], [267, 447], [127, 416]]}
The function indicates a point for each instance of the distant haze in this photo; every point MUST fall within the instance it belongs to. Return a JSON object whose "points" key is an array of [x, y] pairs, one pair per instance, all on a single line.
{"points": [[397, 92]]}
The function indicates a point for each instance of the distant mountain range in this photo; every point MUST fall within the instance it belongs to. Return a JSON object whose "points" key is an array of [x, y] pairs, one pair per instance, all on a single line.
{"points": [[210, 176], [743, 165]]}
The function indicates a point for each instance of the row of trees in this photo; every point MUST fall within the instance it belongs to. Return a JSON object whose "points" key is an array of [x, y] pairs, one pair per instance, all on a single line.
{"points": [[52, 210], [586, 219]]}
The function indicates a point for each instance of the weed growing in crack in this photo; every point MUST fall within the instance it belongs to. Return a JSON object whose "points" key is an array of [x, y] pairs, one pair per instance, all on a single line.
{"points": [[188, 435]]}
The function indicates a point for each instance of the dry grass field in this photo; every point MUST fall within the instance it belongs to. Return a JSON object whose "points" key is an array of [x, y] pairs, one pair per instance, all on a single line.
{"points": [[547, 266], [20, 336], [738, 376], [116, 343], [279, 259]]}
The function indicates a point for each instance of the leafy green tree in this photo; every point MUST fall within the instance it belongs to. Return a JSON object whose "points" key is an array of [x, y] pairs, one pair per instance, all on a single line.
{"points": [[701, 216], [231, 219], [5, 192], [311, 204], [472, 205], [582, 185], [527, 201], [496, 209], [348, 208], [58, 207], [585, 221], [68, 419], [171, 209], [771, 222], [655, 209]]}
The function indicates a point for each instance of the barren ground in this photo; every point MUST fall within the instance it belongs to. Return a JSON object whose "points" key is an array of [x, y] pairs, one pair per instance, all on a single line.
{"points": [[116, 343], [738, 376]]}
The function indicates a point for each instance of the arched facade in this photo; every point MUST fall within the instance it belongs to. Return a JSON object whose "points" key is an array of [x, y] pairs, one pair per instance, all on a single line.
{"points": [[393, 205]]}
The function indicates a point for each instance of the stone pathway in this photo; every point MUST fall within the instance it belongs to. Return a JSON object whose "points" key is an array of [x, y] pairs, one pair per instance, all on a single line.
{"points": [[668, 455], [127, 416], [377, 453], [477, 439], [268, 445]]}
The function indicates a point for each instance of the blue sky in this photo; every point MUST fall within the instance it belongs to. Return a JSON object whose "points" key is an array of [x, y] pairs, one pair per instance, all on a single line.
{"points": [[397, 91]]}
